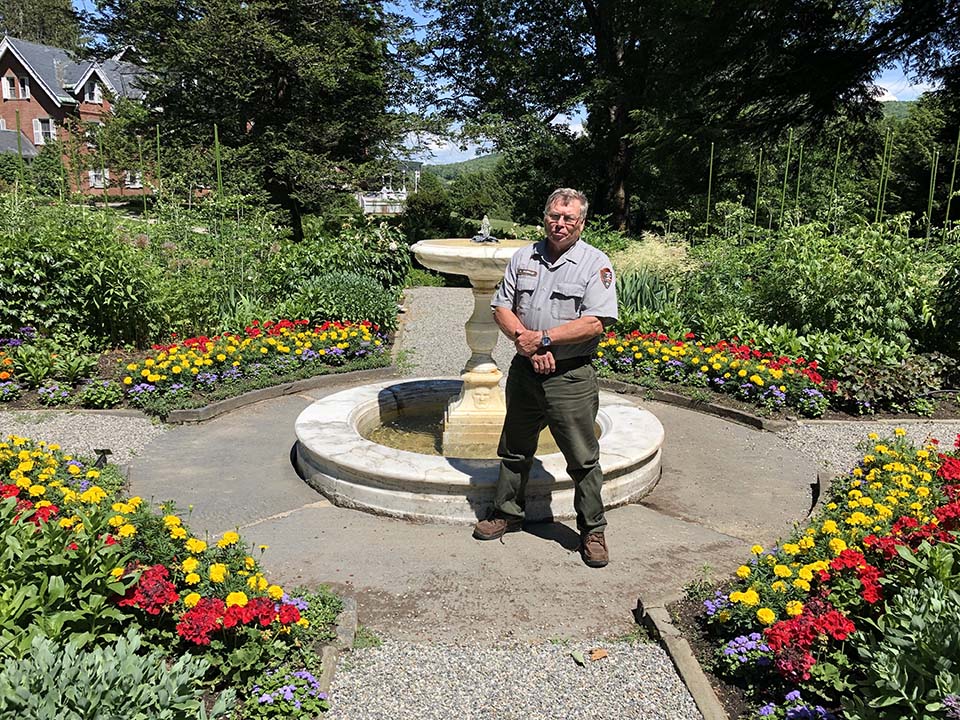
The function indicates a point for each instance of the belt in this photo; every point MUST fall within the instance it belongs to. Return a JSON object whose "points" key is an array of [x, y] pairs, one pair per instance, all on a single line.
{"points": [[573, 363]]}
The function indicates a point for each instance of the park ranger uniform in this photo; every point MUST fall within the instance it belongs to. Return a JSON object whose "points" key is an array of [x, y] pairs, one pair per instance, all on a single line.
{"points": [[543, 296]]}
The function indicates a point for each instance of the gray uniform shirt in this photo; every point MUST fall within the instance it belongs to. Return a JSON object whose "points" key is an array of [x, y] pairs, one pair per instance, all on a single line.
{"points": [[545, 295]]}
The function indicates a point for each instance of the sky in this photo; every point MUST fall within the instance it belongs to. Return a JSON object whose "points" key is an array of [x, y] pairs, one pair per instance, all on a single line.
{"points": [[893, 83]]}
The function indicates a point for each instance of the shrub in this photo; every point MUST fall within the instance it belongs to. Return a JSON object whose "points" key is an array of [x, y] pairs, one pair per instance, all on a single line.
{"points": [[100, 394], [9, 390], [376, 251], [69, 682], [348, 297], [54, 394], [427, 211], [948, 311]]}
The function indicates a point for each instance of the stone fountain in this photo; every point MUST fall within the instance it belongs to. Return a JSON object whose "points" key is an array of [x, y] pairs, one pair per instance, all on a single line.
{"points": [[334, 455]]}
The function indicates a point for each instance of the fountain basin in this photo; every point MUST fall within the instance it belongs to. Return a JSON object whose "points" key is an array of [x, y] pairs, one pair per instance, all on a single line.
{"points": [[334, 457]]}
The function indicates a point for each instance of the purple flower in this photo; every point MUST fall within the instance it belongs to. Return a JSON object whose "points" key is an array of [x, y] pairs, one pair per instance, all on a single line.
{"points": [[768, 709], [265, 699], [792, 696]]}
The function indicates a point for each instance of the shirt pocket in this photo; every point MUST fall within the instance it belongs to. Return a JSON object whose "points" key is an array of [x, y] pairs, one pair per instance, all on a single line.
{"points": [[566, 300], [526, 286]]}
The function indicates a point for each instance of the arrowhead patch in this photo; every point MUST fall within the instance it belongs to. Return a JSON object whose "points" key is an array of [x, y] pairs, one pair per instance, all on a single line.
{"points": [[606, 277]]}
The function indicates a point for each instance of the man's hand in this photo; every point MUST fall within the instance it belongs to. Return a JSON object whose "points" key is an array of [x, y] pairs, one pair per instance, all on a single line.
{"points": [[543, 363], [527, 342]]}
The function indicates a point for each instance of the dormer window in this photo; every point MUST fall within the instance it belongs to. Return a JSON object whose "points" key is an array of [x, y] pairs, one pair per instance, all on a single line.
{"points": [[24, 87], [9, 87], [92, 92]]}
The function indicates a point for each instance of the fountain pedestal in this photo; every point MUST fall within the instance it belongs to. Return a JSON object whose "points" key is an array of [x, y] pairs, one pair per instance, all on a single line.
{"points": [[473, 420]]}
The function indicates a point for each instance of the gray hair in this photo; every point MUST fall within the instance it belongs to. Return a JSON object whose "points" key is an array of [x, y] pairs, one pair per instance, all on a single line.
{"points": [[567, 194]]}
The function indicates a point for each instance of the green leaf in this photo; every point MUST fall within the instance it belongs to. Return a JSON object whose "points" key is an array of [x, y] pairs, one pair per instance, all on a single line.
{"points": [[578, 658]]}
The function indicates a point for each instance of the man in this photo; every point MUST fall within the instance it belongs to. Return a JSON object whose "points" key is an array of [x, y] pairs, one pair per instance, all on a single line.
{"points": [[555, 299]]}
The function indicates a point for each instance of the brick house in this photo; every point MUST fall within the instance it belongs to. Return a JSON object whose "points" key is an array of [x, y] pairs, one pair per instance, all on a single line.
{"points": [[47, 86]]}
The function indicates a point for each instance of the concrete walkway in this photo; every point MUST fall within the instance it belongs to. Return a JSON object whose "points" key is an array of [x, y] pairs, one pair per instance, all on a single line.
{"points": [[724, 488]]}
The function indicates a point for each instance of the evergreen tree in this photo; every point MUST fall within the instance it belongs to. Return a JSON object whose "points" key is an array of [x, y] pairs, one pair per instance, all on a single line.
{"points": [[49, 22]]}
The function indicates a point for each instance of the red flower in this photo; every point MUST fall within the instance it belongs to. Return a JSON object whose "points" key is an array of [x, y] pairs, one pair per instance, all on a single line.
{"points": [[8, 491], [201, 620], [152, 592], [262, 610], [289, 614]]}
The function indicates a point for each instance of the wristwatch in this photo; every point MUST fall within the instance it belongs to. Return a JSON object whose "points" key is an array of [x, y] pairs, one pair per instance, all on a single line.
{"points": [[545, 340]]}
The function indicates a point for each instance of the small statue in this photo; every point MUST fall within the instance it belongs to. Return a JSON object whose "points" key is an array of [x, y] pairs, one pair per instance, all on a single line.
{"points": [[485, 236]]}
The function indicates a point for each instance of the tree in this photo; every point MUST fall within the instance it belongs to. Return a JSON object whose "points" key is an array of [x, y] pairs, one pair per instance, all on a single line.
{"points": [[49, 22], [307, 94], [652, 70]]}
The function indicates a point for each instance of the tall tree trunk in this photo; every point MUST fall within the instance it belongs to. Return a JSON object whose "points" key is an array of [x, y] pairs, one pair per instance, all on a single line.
{"points": [[617, 167], [280, 195]]}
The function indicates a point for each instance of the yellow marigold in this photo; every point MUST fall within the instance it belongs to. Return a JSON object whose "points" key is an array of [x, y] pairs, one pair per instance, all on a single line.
{"points": [[303, 622], [117, 573], [117, 520], [93, 494], [830, 527], [257, 582], [68, 522], [837, 545], [178, 533], [806, 573], [196, 546], [37, 490], [750, 597], [778, 586], [190, 564], [236, 598], [218, 572], [229, 538], [743, 571], [275, 592], [191, 600], [126, 531], [794, 608], [766, 616], [801, 584], [192, 579], [806, 542], [756, 549], [171, 521], [782, 571], [249, 563], [122, 507], [899, 432], [791, 548]]}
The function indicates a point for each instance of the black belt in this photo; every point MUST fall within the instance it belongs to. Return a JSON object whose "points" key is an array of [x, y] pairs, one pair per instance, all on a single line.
{"points": [[564, 365]]}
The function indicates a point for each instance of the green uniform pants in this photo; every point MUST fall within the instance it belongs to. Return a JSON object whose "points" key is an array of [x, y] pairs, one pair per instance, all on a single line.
{"points": [[567, 402]]}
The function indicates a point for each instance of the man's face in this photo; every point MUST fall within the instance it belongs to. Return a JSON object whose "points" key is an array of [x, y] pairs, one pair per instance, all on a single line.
{"points": [[563, 223]]}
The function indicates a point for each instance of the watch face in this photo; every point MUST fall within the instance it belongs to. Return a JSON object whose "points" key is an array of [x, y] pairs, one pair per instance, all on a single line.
{"points": [[546, 341]]}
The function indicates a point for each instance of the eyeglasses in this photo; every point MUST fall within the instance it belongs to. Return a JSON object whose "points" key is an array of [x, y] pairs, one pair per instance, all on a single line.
{"points": [[565, 219]]}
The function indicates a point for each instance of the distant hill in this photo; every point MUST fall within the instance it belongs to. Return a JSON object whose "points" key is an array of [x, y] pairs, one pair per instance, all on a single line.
{"points": [[451, 171], [897, 109]]}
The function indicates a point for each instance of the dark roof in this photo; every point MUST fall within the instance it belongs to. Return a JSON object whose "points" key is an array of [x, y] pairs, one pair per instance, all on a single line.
{"points": [[8, 144], [61, 73]]}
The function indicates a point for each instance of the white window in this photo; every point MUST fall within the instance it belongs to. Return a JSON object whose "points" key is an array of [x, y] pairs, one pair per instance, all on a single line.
{"points": [[9, 87], [24, 87], [3, 123], [92, 92], [99, 177], [133, 180], [44, 131]]}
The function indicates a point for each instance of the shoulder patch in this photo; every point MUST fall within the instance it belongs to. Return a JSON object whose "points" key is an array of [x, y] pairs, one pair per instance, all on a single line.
{"points": [[527, 271], [606, 277]]}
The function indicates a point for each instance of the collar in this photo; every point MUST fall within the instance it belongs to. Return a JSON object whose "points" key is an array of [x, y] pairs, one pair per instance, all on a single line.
{"points": [[574, 254]]}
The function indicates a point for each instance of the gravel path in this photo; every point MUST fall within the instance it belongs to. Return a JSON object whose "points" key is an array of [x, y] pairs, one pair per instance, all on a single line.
{"points": [[83, 432], [636, 681]]}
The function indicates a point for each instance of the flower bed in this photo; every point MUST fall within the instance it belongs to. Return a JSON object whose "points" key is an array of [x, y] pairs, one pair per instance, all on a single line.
{"points": [[728, 367], [193, 371], [86, 565], [856, 611]]}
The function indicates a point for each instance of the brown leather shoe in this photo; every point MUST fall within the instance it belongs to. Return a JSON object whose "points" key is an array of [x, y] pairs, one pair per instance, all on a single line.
{"points": [[593, 548], [495, 526]]}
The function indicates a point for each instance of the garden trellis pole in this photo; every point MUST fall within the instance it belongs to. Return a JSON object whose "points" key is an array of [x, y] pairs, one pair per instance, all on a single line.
{"points": [[786, 170], [103, 166], [20, 167], [886, 178], [883, 166], [756, 199], [159, 180], [933, 183], [953, 177], [709, 190], [796, 200], [216, 154], [143, 193]]}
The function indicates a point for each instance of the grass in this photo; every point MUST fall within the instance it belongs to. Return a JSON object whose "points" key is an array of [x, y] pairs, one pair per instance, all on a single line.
{"points": [[655, 254], [366, 638]]}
